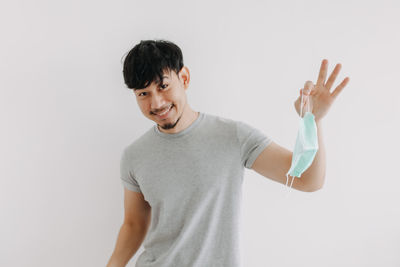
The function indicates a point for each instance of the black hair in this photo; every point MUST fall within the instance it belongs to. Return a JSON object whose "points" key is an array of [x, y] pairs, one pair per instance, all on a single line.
{"points": [[147, 61]]}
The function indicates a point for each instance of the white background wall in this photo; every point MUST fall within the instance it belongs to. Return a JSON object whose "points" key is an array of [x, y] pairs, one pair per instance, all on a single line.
{"points": [[66, 116]]}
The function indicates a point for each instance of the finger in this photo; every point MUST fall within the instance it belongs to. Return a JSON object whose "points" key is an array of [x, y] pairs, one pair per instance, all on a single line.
{"points": [[306, 91], [303, 96], [308, 87], [340, 87], [322, 73], [299, 105], [333, 76]]}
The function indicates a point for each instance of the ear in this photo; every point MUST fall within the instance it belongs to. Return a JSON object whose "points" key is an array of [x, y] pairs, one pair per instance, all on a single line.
{"points": [[184, 75]]}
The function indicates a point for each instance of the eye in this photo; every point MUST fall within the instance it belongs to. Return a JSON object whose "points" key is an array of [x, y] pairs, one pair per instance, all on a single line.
{"points": [[163, 87]]}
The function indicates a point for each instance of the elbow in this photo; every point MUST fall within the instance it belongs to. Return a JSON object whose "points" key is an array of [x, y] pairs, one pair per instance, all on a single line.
{"points": [[312, 189], [315, 187]]}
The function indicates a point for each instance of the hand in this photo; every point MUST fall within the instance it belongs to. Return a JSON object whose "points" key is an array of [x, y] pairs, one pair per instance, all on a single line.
{"points": [[320, 96]]}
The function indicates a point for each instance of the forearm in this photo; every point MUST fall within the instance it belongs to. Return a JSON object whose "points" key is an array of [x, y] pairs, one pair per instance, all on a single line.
{"points": [[314, 176], [129, 240]]}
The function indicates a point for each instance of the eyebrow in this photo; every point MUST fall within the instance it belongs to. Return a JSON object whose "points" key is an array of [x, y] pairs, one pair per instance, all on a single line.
{"points": [[165, 76]]}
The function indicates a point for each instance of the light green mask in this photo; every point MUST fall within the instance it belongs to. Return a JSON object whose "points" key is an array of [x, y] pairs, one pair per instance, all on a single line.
{"points": [[306, 144]]}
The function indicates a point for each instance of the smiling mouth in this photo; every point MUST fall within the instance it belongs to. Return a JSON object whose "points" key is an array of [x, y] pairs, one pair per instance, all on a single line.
{"points": [[165, 112]]}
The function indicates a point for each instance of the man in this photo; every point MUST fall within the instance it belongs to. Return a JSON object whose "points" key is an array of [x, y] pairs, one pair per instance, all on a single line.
{"points": [[182, 178]]}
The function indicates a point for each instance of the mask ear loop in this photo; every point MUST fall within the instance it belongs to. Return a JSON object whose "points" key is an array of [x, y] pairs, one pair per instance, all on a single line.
{"points": [[301, 105], [287, 179]]}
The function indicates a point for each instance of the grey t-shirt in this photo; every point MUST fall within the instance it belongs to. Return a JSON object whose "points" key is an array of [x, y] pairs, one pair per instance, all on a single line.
{"points": [[192, 181]]}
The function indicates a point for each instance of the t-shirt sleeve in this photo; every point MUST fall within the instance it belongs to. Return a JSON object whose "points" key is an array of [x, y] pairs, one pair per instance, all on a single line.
{"points": [[127, 179], [251, 141]]}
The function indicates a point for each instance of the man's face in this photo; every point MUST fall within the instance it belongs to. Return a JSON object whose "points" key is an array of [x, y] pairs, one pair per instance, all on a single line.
{"points": [[170, 95]]}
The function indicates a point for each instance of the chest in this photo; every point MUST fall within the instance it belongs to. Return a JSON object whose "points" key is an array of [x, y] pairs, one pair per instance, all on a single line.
{"points": [[177, 172]]}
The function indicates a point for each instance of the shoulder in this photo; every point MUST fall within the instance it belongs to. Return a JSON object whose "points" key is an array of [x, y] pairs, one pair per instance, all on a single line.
{"points": [[219, 126], [220, 121]]}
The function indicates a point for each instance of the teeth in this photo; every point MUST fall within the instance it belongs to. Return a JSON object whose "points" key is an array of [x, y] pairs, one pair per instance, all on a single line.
{"points": [[165, 111]]}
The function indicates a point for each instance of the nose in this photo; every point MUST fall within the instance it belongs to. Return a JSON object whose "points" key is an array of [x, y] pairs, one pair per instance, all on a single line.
{"points": [[157, 103]]}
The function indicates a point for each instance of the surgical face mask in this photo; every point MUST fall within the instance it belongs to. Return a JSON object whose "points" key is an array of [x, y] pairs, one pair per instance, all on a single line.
{"points": [[306, 143]]}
